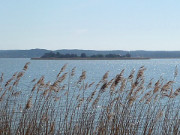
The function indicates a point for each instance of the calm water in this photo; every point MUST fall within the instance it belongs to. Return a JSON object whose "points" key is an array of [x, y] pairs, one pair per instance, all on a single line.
{"points": [[156, 68], [95, 69]]}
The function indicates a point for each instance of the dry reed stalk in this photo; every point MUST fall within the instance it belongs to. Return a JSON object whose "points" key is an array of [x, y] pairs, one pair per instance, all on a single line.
{"points": [[19, 75], [131, 76], [139, 81], [141, 72], [33, 80], [1, 89], [2, 96], [156, 87], [177, 91], [34, 87], [47, 84], [89, 99], [62, 78], [91, 84], [123, 85], [103, 87], [145, 96], [62, 70], [114, 100], [166, 95], [26, 66], [171, 93], [96, 101], [80, 101], [131, 100], [110, 82], [149, 84], [82, 86], [150, 131], [45, 92], [82, 77], [16, 93], [167, 86], [110, 116], [140, 88], [44, 117], [63, 87], [10, 88], [58, 81], [176, 72], [14, 75], [105, 76], [73, 71], [66, 93], [156, 97], [159, 115], [149, 99], [119, 78], [29, 103], [41, 80], [86, 86], [97, 85], [133, 87], [139, 76], [2, 77], [112, 87], [77, 97], [52, 128], [57, 98], [8, 82]]}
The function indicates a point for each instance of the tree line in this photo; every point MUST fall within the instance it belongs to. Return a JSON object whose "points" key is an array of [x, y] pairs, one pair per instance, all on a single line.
{"points": [[83, 55]]}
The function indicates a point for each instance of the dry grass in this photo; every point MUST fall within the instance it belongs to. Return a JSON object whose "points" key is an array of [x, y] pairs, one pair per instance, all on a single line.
{"points": [[122, 105]]}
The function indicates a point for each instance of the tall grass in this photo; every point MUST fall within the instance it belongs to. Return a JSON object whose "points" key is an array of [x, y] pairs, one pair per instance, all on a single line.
{"points": [[121, 105]]}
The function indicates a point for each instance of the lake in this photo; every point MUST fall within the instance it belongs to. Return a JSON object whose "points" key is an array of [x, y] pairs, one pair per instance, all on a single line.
{"points": [[95, 69]]}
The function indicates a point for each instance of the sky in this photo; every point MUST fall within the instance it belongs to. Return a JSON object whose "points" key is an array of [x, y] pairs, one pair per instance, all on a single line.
{"points": [[90, 24]]}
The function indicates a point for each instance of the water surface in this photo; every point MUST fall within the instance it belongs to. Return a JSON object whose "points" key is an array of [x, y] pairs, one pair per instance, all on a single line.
{"points": [[95, 69]]}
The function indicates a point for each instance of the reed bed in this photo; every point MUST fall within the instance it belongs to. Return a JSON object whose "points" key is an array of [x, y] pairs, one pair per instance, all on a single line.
{"points": [[118, 106]]}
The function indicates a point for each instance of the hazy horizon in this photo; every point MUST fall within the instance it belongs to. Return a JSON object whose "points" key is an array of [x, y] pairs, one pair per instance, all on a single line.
{"points": [[90, 25], [83, 49]]}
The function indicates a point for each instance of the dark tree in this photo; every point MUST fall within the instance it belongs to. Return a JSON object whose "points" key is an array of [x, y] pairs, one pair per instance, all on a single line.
{"points": [[57, 55], [128, 55], [48, 55], [111, 55], [73, 55], [100, 56], [83, 55], [97, 56]]}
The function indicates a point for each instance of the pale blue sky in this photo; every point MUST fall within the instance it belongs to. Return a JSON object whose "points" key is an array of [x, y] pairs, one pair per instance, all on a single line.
{"points": [[90, 24]]}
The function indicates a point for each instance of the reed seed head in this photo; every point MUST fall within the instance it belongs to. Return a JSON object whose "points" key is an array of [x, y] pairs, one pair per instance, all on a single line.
{"points": [[26, 66]]}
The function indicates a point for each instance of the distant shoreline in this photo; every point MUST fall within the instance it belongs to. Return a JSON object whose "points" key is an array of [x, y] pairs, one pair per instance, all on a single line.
{"points": [[37, 53], [90, 58]]}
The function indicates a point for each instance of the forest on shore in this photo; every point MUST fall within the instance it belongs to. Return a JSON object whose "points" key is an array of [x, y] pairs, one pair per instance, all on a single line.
{"points": [[83, 55]]}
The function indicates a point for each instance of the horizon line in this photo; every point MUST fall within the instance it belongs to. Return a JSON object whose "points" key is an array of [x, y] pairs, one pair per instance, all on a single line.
{"points": [[79, 49]]}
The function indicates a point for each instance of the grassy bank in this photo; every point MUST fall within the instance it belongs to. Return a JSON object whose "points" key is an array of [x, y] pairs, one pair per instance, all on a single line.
{"points": [[119, 105]]}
